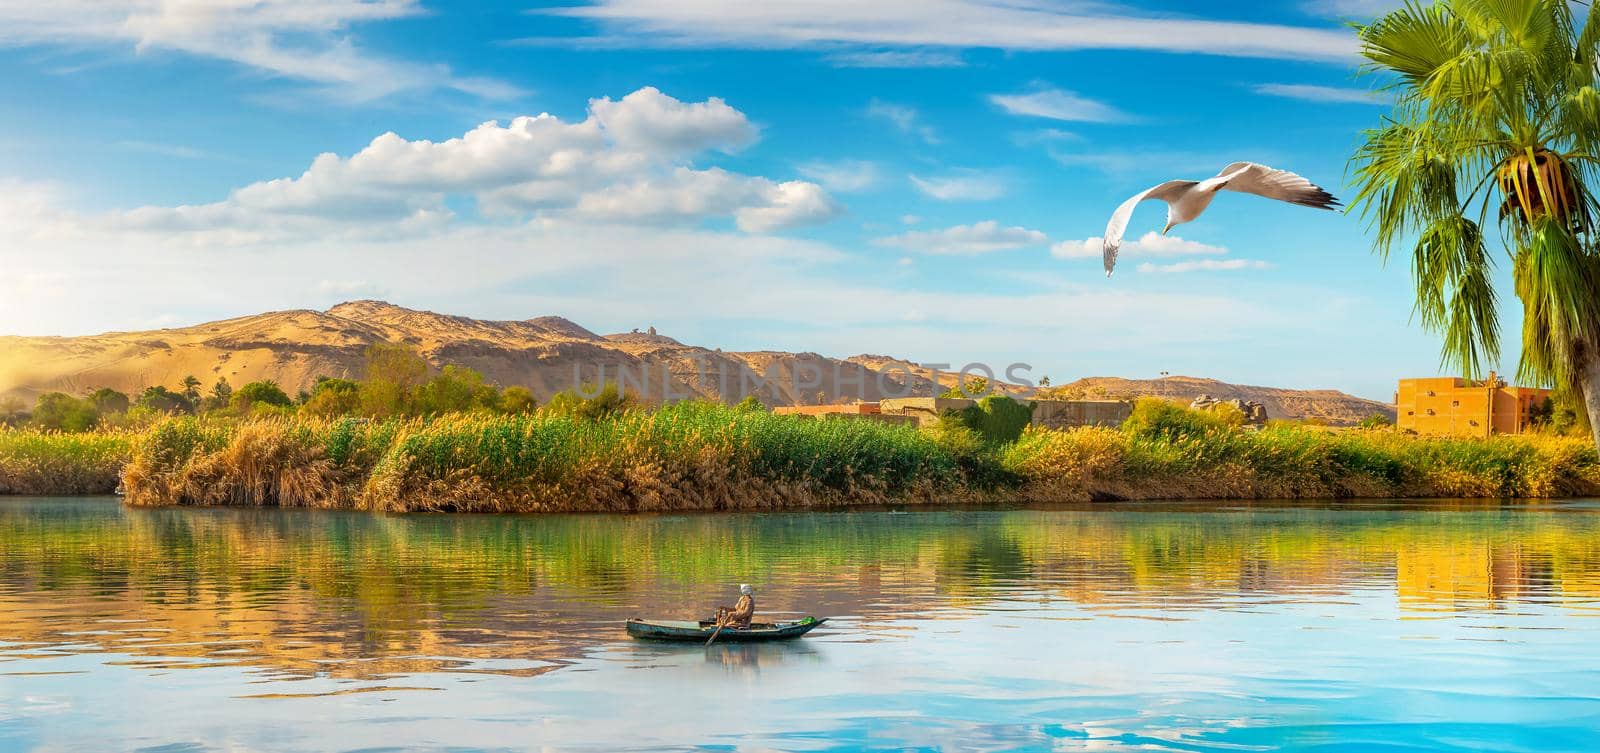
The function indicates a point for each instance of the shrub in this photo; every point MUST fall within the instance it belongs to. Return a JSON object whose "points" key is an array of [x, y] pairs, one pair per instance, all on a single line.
{"points": [[1376, 421], [265, 392], [516, 399], [221, 395], [106, 400], [607, 402], [1154, 419], [59, 411], [454, 389], [997, 419], [333, 397], [162, 400]]}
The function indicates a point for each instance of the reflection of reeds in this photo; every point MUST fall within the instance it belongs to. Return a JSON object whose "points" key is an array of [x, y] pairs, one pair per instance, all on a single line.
{"points": [[38, 462], [354, 595]]}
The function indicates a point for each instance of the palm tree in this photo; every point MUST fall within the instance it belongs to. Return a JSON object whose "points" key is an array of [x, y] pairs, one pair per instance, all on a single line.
{"points": [[1496, 121]]}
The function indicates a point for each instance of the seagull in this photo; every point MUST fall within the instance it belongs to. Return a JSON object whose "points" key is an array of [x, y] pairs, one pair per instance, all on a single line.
{"points": [[1186, 199]]}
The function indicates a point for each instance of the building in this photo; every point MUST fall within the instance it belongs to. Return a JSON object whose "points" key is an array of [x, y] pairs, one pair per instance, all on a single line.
{"points": [[926, 411], [864, 411], [1449, 406], [1068, 414]]}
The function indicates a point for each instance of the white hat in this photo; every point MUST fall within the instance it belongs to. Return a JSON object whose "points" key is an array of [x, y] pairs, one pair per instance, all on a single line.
{"points": [[745, 589]]}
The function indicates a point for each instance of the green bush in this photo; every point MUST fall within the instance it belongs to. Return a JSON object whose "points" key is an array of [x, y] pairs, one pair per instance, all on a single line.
{"points": [[106, 400], [58, 411], [159, 399], [997, 419], [1154, 419], [265, 392]]}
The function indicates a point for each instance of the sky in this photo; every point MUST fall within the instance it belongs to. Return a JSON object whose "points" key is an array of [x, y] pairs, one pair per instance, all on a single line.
{"points": [[920, 178]]}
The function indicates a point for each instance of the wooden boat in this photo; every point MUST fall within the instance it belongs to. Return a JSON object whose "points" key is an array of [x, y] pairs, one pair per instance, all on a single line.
{"points": [[691, 630]]}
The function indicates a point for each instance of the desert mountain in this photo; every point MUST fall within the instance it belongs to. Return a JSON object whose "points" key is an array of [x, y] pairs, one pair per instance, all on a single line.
{"points": [[1332, 406], [547, 355]]}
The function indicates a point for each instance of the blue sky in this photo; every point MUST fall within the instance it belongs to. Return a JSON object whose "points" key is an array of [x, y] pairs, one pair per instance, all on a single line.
{"points": [[923, 178]]}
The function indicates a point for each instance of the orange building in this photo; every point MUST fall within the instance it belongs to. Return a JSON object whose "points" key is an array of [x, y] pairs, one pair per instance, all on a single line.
{"points": [[1465, 408]]}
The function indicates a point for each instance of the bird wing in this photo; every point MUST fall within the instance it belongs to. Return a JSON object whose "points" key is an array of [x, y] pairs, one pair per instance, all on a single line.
{"points": [[1111, 242], [1249, 177]]}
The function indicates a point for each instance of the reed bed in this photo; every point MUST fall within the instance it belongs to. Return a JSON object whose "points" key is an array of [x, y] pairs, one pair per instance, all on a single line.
{"points": [[1287, 462], [681, 457], [50, 462], [697, 456]]}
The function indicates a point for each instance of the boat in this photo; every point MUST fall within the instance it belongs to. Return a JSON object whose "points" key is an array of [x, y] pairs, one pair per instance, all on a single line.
{"points": [[701, 630]]}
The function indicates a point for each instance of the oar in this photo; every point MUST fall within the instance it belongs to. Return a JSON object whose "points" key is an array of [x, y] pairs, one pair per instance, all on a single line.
{"points": [[720, 625]]}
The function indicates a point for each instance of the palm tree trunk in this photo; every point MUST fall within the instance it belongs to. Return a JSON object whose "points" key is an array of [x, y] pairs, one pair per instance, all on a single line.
{"points": [[1588, 365]]}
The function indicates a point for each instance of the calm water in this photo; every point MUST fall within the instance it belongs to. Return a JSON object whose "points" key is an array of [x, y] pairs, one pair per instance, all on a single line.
{"points": [[1468, 627]]}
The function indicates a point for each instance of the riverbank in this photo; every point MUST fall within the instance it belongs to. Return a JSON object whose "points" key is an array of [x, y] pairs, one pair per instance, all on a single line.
{"points": [[710, 457]]}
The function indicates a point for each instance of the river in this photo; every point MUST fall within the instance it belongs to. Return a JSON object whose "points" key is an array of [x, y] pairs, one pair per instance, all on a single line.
{"points": [[1362, 626]]}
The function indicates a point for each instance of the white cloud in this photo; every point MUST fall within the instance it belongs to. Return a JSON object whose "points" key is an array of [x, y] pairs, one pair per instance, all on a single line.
{"points": [[1314, 93], [306, 40], [1058, 104], [1047, 136], [978, 238], [1149, 244], [1004, 24], [847, 176], [625, 161], [896, 59], [758, 204], [966, 185], [1354, 9], [1160, 164], [1204, 265], [906, 119]]}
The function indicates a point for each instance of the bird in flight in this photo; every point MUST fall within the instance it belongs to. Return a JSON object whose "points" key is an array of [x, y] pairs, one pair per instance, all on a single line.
{"points": [[1187, 199]]}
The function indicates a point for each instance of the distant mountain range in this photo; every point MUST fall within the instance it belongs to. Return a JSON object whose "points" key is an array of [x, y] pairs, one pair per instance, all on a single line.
{"points": [[546, 354]]}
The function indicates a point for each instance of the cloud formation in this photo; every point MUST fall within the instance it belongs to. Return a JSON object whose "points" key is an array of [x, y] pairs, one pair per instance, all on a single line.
{"points": [[1204, 265], [978, 238], [1149, 244], [627, 161], [1003, 24], [305, 40], [845, 176], [1058, 104], [964, 185], [1325, 94], [896, 59], [905, 119]]}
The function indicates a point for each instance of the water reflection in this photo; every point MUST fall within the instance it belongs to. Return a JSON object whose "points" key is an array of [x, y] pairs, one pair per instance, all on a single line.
{"points": [[307, 593], [1098, 605]]}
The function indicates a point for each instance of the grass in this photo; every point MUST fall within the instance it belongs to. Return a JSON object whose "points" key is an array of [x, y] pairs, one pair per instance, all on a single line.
{"points": [[1217, 461], [684, 456], [48, 462], [698, 456]]}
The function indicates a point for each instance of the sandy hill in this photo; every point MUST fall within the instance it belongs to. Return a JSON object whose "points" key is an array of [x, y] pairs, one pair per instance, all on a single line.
{"points": [[546, 354], [1337, 408]]}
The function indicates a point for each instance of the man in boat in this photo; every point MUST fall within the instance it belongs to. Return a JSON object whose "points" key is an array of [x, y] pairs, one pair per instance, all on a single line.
{"points": [[738, 616]]}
